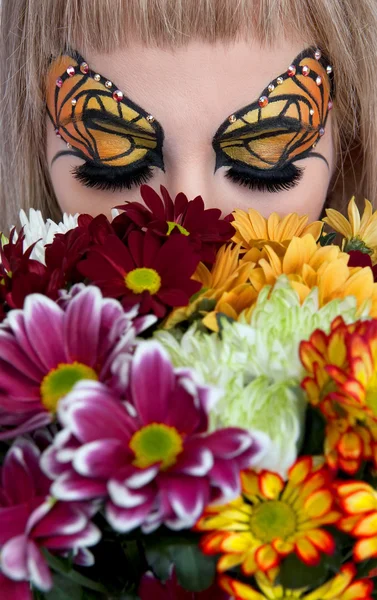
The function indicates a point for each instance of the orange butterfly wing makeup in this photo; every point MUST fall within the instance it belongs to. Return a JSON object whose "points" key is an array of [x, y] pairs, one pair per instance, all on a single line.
{"points": [[284, 124], [92, 115]]}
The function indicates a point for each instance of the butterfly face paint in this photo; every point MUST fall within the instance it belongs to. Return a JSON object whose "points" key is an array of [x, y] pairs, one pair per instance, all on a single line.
{"points": [[116, 137], [282, 126]]}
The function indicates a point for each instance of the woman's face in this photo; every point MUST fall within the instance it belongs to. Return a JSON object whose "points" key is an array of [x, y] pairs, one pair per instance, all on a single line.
{"points": [[192, 140]]}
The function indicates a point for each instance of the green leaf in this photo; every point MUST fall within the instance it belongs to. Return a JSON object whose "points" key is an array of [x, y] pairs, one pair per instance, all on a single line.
{"points": [[195, 571], [64, 589], [64, 568], [159, 561], [327, 239], [295, 574]]}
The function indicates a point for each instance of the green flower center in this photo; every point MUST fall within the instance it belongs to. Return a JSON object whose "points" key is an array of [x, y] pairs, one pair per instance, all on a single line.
{"points": [[172, 225], [143, 280], [58, 382], [273, 519], [356, 244], [156, 443]]}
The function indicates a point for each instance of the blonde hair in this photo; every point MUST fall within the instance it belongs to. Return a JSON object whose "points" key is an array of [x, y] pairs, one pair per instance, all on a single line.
{"points": [[31, 31]]}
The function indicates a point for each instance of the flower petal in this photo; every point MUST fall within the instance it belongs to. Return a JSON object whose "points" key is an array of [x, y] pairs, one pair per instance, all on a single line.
{"points": [[152, 376], [39, 572]]}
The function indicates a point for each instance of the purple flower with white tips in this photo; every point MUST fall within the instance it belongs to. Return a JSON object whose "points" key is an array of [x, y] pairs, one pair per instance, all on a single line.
{"points": [[151, 458], [46, 348], [30, 519]]}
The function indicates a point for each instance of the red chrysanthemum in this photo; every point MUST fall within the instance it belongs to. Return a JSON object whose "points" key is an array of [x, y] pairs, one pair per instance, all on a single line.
{"points": [[361, 259], [204, 227], [21, 275], [151, 271]]}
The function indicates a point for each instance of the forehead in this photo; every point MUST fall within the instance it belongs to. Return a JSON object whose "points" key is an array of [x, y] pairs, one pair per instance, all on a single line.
{"points": [[200, 82]]}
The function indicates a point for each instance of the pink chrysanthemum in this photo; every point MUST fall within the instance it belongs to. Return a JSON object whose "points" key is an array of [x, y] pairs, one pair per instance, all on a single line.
{"points": [[152, 457], [30, 519], [45, 349]]}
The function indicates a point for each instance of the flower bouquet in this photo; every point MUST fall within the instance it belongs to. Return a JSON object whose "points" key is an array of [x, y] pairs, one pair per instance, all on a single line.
{"points": [[188, 405]]}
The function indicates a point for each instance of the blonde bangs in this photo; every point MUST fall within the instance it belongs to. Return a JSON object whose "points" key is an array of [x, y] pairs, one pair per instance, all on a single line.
{"points": [[31, 31]]}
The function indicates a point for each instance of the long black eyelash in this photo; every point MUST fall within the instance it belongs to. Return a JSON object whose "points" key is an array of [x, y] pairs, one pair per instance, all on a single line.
{"points": [[273, 181], [111, 178]]}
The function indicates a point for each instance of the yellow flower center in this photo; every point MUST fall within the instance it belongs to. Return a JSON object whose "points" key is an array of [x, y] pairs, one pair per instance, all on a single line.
{"points": [[58, 382], [172, 225], [273, 519], [143, 280], [156, 443]]}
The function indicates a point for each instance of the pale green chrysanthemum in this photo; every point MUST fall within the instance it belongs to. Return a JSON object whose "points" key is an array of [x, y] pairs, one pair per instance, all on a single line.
{"points": [[258, 366]]}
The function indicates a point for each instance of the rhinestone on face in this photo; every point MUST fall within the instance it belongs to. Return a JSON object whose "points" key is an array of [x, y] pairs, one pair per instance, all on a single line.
{"points": [[330, 105], [305, 70], [57, 133], [71, 71], [73, 101], [97, 77], [321, 131], [317, 54], [271, 87], [108, 84], [59, 82], [263, 101], [329, 69], [279, 80], [291, 71], [84, 68], [311, 111], [232, 118], [314, 145], [150, 118], [69, 146], [319, 80], [118, 95]]}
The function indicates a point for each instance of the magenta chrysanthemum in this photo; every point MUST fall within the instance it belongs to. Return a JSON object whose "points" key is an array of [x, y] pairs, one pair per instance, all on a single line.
{"points": [[30, 519], [151, 457], [45, 349]]}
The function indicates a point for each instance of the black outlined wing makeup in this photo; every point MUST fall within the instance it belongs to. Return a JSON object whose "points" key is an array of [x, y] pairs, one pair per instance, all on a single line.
{"points": [[284, 124], [96, 118]]}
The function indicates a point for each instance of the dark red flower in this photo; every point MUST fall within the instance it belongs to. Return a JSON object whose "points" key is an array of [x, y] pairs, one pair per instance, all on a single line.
{"points": [[204, 227], [360, 259], [20, 275], [152, 271]]}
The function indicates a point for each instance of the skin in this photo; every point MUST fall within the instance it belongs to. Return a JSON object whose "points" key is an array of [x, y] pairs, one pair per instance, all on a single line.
{"points": [[191, 91]]}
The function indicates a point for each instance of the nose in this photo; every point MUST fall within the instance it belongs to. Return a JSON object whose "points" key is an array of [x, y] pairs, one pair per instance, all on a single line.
{"points": [[194, 176]]}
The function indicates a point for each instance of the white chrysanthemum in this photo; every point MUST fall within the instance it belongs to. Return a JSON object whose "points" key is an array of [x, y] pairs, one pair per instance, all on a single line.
{"points": [[36, 229], [257, 364]]}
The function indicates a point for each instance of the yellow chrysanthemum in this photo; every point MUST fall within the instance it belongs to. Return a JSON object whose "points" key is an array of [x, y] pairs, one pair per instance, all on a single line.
{"points": [[343, 586], [225, 288], [359, 233], [307, 266], [253, 230], [342, 382], [273, 519]]}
